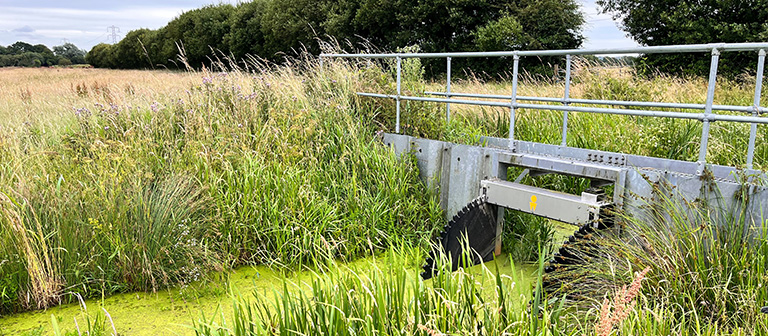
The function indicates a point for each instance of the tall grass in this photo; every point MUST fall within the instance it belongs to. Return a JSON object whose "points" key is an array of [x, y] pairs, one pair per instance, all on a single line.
{"points": [[707, 268], [264, 166]]}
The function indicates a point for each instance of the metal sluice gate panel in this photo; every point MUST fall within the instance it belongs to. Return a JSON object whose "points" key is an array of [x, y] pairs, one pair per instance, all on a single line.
{"points": [[461, 173], [577, 210]]}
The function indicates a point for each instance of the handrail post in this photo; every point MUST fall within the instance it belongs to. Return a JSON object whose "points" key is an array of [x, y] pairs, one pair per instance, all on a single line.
{"points": [[566, 99], [513, 104], [708, 110], [758, 93], [397, 98], [448, 90]]}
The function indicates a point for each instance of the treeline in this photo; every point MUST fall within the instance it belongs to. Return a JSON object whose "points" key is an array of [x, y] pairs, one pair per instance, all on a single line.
{"points": [[272, 29], [22, 54], [666, 22]]}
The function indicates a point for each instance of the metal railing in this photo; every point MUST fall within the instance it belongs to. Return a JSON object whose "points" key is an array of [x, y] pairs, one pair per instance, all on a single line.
{"points": [[707, 117]]}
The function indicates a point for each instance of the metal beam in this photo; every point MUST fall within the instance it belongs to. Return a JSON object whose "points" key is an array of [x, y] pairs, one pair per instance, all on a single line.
{"points": [[685, 48], [551, 204], [567, 100], [639, 113]]}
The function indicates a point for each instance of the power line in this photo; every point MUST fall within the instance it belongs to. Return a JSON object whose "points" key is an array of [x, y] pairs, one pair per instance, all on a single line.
{"points": [[96, 38], [114, 33]]}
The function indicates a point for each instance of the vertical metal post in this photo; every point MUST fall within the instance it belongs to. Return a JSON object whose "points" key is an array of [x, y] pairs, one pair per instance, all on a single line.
{"points": [[502, 172], [448, 90], [513, 107], [758, 93], [708, 110], [321, 63], [397, 98], [566, 99]]}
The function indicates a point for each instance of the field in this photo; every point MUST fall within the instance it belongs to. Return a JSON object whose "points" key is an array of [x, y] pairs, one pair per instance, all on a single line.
{"points": [[152, 181]]}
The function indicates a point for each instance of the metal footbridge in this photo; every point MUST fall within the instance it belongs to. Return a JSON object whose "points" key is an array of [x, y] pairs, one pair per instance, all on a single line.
{"points": [[476, 174]]}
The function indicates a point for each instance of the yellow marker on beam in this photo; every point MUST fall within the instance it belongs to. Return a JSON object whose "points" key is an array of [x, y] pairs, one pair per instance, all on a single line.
{"points": [[533, 203]]}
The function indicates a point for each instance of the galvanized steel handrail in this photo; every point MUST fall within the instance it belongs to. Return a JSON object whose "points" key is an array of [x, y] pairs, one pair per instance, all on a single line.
{"points": [[637, 113], [682, 106], [708, 107], [670, 49]]}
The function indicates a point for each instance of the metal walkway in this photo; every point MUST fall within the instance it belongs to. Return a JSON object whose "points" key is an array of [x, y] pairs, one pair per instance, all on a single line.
{"points": [[462, 172]]}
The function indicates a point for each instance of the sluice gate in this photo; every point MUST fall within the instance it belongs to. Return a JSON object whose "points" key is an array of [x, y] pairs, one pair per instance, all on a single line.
{"points": [[472, 179]]}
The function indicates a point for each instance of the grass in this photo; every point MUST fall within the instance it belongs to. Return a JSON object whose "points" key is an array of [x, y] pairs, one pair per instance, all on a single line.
{"points": [[141, 193], [119, 181], [389, 299]]}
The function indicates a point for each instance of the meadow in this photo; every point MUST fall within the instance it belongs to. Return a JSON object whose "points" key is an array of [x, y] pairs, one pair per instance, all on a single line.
{"points": [[129, 181]]}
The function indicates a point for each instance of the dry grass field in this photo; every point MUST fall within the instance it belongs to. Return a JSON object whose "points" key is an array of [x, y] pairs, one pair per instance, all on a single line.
{"points": [[45, 95]]}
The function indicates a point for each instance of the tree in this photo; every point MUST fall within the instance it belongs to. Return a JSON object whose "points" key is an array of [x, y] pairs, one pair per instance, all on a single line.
{"points": [[290, 25], [664, 22], [199, 32], [70, 52], [30, 59], [502, 34], [245, 36], [19, 48], [273, 28], [102, 55], [131, 51]]}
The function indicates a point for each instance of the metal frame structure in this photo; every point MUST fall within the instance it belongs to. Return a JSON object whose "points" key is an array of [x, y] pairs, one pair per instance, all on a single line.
{"points": [[461, 172], [707, 117]]}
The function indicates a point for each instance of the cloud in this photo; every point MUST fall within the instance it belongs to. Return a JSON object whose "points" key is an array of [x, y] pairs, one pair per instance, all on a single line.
{"points": [[602, 31], [25, 29]]}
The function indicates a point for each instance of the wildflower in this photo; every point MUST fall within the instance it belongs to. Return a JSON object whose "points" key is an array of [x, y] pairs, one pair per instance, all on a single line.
{"points": [[240, 125], [429, 331], [207, 80], [155, 107], [622, 305], [106, 128]]}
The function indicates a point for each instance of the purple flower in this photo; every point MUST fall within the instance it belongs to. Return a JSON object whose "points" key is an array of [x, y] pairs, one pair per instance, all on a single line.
{"points": [[155, 106], [207, 80]]}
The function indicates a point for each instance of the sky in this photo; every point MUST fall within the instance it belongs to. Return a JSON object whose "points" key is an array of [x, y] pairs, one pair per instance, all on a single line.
{"points": [[84, 23]]}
